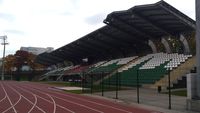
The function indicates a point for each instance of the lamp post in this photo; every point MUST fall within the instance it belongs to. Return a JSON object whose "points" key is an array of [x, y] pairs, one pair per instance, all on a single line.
{"points": [[4, 43]]}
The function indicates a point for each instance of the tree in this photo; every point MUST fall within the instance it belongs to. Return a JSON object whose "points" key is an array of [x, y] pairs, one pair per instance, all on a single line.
{"points": [[31, 62], [9, 62], [26, 58], [21, 59]]}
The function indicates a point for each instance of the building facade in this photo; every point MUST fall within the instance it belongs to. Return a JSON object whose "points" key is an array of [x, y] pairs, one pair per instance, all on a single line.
{"points": [[37, 50]]}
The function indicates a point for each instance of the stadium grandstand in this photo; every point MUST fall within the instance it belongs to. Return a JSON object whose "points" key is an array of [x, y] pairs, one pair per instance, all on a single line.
{"points": [[150, 40]]}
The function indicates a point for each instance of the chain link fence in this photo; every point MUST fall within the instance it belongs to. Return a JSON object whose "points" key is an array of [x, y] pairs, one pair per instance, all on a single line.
{"points": [[160, 88]]}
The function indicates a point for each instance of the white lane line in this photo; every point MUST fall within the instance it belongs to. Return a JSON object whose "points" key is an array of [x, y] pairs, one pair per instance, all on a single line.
{"points": [[70, 102], [47, 100], [34, 104], [79, 104], [54, 104], [20, 97], [13, 104], [9, 100], [108, 106], [4, 95]]}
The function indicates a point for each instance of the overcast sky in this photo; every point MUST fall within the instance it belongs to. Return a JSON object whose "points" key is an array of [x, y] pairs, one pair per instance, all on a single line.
{"points": [[54, 23]]}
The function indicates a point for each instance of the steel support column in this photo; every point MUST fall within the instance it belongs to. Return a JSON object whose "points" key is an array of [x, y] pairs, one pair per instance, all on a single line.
{"points": [[198, 45]]}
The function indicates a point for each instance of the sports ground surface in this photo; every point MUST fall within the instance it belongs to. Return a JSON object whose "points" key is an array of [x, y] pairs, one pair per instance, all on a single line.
{"points": [[27, 97]]}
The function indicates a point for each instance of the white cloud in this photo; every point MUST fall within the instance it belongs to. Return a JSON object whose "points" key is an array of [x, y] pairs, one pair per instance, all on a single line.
{"points": [[44, 23]]}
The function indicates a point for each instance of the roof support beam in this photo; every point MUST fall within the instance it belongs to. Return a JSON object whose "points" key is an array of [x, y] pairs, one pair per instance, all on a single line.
{"points": [[96, 51], [96, 44], [78, 50], [128, 33], [151, 23], [67, 55], [55, 57], [64, 56], [86, 50], [131, 27], [44, 59], [99, 46], [93, 50], [69, 52], [118, 40], [186, 22], [111, 45], [103, 43]]}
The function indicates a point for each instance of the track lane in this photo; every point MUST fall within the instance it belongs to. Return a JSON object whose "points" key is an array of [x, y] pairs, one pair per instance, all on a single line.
{"points": [[24, 106], [4, 103], [32, 99], [91, 100], [53, 101], [9, 100], [95, 103], [29, 104], [2, 95], [76, 106], [59, 108], [90, 104]]}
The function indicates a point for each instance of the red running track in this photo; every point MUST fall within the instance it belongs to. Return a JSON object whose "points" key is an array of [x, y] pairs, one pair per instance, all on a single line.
{"points": [[28, 97]]}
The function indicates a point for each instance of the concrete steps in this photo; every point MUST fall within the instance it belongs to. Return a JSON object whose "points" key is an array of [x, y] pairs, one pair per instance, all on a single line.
{"points": [[176, 73]]}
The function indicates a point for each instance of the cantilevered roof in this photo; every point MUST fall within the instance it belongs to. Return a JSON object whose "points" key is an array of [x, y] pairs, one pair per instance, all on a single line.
{"points": [[125, 30], [151, 21]]}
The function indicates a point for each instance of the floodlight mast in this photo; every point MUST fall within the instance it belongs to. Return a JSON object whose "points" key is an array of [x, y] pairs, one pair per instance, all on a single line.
{"points": [[4, 43]]}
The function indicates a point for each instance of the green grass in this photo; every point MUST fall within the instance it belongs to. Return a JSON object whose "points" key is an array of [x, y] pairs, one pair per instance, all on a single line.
{"points": [[74, 91], [179, 93], [98, 88], [62, 83], [57, 83]]}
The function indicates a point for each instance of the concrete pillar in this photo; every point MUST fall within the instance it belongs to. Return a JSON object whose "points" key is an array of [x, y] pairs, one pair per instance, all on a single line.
{"points": [[185, 44], [166, 45], [153, 46], [198, 45], [191, 86]]}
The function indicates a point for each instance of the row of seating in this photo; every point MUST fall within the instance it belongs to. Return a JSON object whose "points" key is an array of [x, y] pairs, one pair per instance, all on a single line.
{"points": [[58, 71], [77, 70], [148, 69], [126, 60], [102, 66], [135, 63], [113, 65], [174, 60]]}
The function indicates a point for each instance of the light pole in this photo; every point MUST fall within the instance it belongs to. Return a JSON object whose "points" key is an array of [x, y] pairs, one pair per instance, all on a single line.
{"points": [[4, 43]]}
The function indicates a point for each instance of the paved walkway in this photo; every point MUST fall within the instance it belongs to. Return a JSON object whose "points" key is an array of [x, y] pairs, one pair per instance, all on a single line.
{"points": [[149, 98]]}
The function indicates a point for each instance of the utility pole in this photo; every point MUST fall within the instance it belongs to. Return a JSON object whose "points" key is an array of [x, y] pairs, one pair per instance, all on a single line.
{"points": [[4, 43]]}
